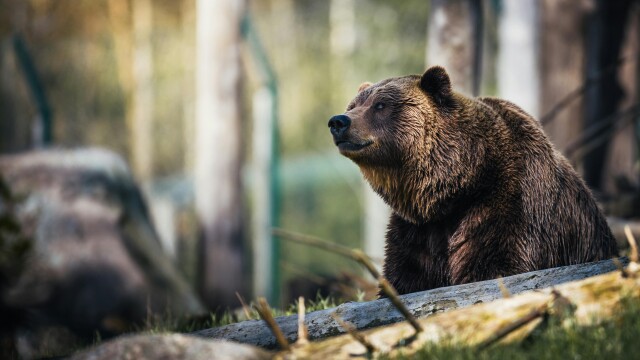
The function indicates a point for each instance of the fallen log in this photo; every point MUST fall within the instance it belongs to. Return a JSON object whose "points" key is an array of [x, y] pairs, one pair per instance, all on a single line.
{"points": [[583, 302], [321, 324]]}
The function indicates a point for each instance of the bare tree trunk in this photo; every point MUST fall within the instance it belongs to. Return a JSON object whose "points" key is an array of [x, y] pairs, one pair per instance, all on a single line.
{"points": [[188, 80], [218, 149], [606, 32], [142, 101], [15, 113], [622, 156], [263, 257], [454, 40], [517, 63], [562, 69]]}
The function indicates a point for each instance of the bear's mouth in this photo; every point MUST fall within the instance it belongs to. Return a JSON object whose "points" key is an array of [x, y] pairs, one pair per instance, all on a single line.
{"points": [[344, 145]]}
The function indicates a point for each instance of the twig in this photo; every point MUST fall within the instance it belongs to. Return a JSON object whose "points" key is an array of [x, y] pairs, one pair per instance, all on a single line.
{"points": [[620, 267], [245, 308], [303, 335], [388, 290], [360, 257], [354, 254], [501, 333], [290, 267], [265, 313], [559, 306], [503, 288], [363, 259], [562, 306], [633, 251], [313, 241], [575, 94], [588, 140], [349, 328]]}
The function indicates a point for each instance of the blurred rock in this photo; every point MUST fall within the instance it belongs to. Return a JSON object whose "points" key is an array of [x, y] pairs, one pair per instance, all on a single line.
{"points": [[95, 265], [171, 346], [14, 248]]}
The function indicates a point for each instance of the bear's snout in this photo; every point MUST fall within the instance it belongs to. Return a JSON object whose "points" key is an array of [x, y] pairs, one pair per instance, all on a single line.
{"points": [[338, 125]]}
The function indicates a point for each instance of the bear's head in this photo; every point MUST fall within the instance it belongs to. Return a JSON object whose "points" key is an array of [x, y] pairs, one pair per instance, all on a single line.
{"points": [[413, 141]]}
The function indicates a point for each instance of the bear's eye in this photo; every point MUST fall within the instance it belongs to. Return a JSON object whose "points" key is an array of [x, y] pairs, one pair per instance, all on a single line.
{"points": [[379, 106]]}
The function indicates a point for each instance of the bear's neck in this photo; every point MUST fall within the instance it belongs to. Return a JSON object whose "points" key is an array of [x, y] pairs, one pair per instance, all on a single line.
{"points": [[404, 194], [418, 198]]}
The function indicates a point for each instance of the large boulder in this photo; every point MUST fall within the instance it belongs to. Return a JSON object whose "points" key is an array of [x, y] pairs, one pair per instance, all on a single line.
{"points": [[172, 347], [95, 264]]}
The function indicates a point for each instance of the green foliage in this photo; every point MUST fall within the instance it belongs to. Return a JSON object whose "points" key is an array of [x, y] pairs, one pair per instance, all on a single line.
{"points": [[170, 323], [320, 303]]}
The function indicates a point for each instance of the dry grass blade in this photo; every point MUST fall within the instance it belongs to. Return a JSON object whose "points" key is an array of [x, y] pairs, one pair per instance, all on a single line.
{"points": [[503, 288], [633, 245], [303, 336], [265, 313], [245, 308]]}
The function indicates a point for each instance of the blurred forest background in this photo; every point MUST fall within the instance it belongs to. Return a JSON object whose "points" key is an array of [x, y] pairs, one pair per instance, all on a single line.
{"points": [[131, 76]]}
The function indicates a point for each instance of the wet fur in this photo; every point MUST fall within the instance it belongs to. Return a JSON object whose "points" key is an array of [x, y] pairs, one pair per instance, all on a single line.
{"points": [[477, 190]]}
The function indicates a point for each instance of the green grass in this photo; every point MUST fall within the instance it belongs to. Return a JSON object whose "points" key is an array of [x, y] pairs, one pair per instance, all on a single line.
{"points": [[168, 323], [617, 338]]}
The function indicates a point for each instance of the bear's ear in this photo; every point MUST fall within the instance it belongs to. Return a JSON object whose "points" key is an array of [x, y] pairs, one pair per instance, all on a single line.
{"points": [[363, 86], [436, 83]]}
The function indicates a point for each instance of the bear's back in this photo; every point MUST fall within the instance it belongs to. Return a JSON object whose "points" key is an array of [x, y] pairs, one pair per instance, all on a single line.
{"points": [[561, 216]]}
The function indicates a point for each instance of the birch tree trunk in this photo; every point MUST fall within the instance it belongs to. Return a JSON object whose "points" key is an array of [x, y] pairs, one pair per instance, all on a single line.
{"points": [[454, 41], [142, 96], [517, 62], [188, 18], [218, 149]]}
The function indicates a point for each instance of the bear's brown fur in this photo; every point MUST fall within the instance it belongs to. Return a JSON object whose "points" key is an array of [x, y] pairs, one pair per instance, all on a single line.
{"points": [[477, 190]]}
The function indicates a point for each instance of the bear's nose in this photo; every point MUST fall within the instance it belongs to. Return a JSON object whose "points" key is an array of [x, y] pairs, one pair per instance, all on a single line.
{"points": [[339, 124]]}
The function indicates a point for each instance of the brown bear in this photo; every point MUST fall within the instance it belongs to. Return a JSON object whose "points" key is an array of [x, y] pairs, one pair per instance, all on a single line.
{"points": [[477, 190]]}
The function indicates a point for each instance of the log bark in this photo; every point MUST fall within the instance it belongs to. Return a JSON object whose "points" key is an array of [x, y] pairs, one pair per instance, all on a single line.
{"points": [[422, 304]]}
